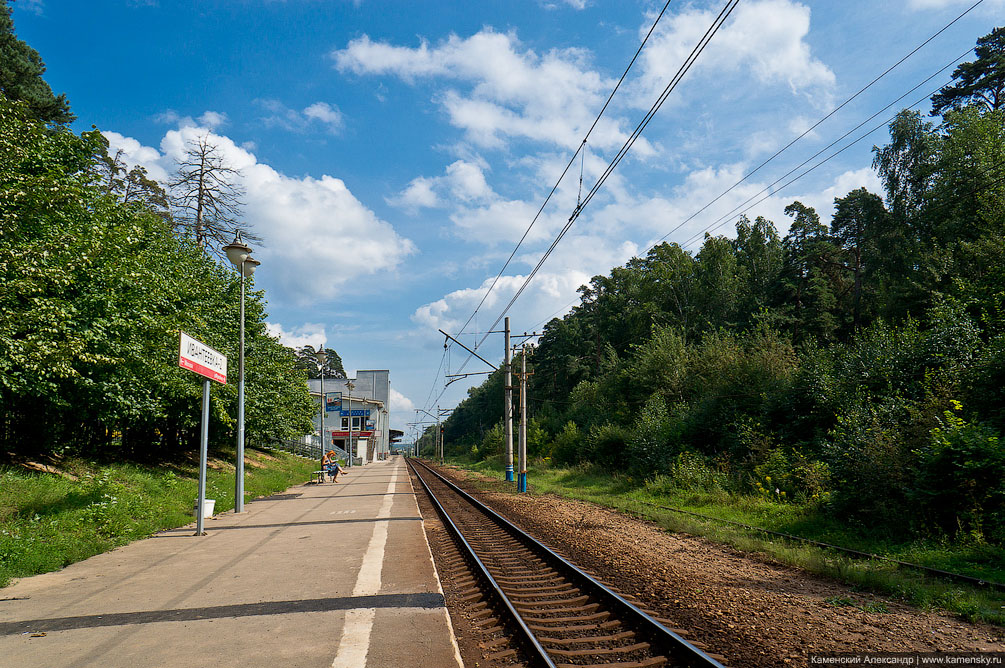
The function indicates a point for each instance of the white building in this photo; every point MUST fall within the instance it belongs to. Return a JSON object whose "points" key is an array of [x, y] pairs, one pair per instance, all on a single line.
{"points": [[360, 414]]}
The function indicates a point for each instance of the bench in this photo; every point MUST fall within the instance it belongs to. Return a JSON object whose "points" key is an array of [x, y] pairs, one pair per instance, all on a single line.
{"points": [[319, 477]]}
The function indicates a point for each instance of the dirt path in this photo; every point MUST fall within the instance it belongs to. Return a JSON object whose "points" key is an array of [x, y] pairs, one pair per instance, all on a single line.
{"points": [[753, 613]]}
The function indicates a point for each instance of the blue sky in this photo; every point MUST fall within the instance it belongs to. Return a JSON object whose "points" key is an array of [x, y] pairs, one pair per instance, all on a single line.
{"points": [[394, 153]]}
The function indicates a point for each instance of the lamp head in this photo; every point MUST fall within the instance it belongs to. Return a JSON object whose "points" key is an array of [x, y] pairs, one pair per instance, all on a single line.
{"points": [[321, 355], [250, 264], [237, 251]]}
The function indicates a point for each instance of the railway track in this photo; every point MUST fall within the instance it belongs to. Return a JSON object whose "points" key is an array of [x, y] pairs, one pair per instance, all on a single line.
{"points": [[559, 615]]}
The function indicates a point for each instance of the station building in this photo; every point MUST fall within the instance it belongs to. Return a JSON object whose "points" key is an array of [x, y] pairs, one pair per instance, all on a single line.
{"points": [[359, 415]]}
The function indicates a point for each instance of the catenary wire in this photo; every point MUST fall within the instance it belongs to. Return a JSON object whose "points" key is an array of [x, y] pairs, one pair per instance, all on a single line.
{"points": [[689, 62], [724, 14], [572, 161]]}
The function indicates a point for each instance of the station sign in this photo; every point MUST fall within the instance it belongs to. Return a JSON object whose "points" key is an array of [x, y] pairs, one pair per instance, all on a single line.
{"points": [[196, 356], [360, 412], [358, 434]]}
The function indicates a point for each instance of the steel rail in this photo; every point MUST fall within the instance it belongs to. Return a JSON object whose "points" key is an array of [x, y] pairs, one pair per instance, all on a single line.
{"points": [[540, 653], [677, 646]]}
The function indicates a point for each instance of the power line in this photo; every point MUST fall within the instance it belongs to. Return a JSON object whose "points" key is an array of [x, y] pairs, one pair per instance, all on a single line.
{"points": [[722, 221], [572, 160], [718, 222], [685, 67], [724, 14], [831, 113], [768, 188]]}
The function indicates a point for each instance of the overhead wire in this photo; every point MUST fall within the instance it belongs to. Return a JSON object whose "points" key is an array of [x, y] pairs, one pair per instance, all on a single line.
{"points": [[822, 120], [716, 24], [724, 13], [770, 186], [722, 221], [718, 223], [571, 162], [623, 151]]}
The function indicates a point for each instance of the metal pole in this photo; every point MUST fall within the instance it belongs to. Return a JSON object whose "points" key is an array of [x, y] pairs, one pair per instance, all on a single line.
{"points": [[239, 472], [508, 405], [348, 441], [522, 480], [324, 408], [200, 504]]}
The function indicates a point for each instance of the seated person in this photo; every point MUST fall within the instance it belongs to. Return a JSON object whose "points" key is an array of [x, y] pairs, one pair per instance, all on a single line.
{"points": [[332, 466]]}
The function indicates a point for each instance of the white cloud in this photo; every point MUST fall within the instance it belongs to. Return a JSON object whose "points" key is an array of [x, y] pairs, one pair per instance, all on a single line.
{"points": [[134, 153], [419, 194], [399, 403], [573, 264], [309, 334], [286, 118], [209, 119], [213, 119], [463, 182], [512, 92], [318, 236], [36, 7], [764, 38], [575, 4]]}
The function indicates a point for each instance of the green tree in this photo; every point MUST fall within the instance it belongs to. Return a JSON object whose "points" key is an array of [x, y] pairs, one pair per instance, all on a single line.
{"points": [[981, 82], [306, 360], [808, 282], [760, 257], [859, 218], [21, 70], [96, 292]]}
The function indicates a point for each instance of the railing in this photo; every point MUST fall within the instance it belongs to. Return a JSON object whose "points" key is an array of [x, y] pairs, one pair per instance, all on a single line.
{"points": [[309, 450], [299, 448]]}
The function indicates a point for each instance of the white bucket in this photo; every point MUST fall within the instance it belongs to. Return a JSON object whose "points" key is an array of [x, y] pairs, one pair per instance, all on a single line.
{"points": [[207, 507]]}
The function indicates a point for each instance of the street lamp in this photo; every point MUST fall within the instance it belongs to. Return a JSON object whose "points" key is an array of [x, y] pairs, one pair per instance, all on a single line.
{"points": [[349, 386], [239, 255], [322, 357]]}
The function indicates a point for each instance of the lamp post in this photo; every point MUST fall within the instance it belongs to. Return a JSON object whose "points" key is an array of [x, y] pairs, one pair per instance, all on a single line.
{"points": [[349, 386], [322, 358], [239, 255]]}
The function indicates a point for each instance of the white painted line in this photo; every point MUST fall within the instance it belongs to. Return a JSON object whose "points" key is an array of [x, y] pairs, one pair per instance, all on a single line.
{"points": [[354, 644]]}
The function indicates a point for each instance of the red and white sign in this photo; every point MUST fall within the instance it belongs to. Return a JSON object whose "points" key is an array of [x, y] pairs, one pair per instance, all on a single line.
{"points": [[345, 434], [197, 356]]}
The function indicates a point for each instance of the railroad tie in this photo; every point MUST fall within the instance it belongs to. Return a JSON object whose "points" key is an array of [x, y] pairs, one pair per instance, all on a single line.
{"points": [[578, 628], [614, 637], [653, 662], [554, 611], [602, 651], [560, 620]]}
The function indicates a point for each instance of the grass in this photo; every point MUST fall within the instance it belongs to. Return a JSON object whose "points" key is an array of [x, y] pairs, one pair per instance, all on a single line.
{"points": [[975, 559], [49, 521]]}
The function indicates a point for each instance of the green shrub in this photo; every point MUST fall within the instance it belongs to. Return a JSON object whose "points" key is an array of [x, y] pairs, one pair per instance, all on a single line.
{"points": [[569, 446], [961, 480], [654, 441], [606, 446], [794, 476], [871, 463]]}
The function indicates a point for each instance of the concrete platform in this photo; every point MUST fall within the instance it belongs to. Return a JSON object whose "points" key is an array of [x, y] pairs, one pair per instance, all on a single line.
{"points": [[326, 575]]}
